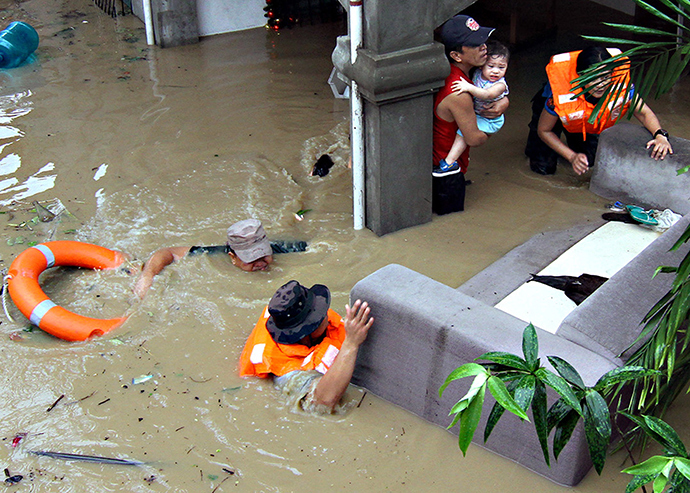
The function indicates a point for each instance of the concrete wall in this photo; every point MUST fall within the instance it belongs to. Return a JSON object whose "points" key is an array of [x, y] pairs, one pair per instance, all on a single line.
{"points": [[625, 6], [221, 16]]}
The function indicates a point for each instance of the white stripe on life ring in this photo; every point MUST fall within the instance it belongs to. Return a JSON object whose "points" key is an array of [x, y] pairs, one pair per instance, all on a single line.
{"points": [[39, 311], [47, 253]]}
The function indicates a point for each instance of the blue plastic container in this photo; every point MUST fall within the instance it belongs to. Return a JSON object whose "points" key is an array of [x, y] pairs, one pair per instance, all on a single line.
{"points": [[17, 42]]}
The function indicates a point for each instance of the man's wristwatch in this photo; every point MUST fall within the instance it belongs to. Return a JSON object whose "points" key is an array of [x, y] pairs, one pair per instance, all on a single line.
{"points": [[661, 132]]}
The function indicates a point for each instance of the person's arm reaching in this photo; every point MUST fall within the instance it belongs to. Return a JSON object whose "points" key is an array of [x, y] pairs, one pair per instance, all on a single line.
{"points": [[660, 144], [547, 122], [154, 265], [333, 384]]}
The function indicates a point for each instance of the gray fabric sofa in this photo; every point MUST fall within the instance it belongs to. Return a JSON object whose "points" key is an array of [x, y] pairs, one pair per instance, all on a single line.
{"points": [[425, 329]]}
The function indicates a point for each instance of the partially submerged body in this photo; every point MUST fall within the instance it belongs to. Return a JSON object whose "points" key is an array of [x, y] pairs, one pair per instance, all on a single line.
{"points": [[488, 86], [465, 45], [306, 347], [247, 247], [561, 109]]}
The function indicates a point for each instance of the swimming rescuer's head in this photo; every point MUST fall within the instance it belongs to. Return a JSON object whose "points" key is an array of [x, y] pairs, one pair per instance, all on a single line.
{"points": [[248, 245]]}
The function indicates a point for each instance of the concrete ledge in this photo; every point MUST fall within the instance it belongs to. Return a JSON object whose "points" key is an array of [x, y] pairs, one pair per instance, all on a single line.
{"points": [[624, 171], [424, 330]]}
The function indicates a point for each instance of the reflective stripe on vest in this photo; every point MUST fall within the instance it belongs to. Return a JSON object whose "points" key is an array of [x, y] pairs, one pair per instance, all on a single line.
{"points": [[257, 355], [330, 355]]}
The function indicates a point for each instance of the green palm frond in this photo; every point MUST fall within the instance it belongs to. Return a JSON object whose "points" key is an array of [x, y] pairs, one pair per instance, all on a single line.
{"points": [[654, 66], [657, 13]]}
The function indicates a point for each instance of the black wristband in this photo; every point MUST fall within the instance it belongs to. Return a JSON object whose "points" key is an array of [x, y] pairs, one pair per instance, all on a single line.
{"points": [[662, 132]]}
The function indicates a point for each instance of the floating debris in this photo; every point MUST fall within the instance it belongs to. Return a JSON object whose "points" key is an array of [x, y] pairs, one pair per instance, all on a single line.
{"points": [[55, 403], [299, 215], [219, 485], [65, 33], [12, 480], [19, 240], [200, 381], [141, 379], [71, 403], [362, 399], [88, 458], [322, 166], [18, 438], [44, 215]]}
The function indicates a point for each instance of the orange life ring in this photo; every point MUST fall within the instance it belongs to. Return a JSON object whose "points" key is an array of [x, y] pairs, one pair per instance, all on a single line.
{"points": [[35, 304]]}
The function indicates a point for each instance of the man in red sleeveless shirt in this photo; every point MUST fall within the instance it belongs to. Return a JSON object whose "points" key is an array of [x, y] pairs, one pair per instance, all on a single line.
{"points": [[465, 43]]}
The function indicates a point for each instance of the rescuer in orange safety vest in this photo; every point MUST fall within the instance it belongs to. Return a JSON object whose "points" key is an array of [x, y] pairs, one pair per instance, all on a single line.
{"points": [[558, 108], [307, 347]]}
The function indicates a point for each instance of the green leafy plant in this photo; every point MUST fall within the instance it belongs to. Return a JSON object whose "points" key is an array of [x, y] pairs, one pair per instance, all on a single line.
{"points": [[519, 384], [656, 59], [665, 342], [671, 470]]}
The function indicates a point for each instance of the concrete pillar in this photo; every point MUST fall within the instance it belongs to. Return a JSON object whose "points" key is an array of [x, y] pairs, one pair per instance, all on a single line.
{"points": [[398, 69], [175, 22]]}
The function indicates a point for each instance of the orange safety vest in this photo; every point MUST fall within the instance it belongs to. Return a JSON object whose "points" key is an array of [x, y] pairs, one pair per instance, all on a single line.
{"points": [[262, 356], [574, 112]]}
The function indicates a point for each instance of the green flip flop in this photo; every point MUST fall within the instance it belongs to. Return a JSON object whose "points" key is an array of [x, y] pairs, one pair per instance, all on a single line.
{"points": [[641, 216]]}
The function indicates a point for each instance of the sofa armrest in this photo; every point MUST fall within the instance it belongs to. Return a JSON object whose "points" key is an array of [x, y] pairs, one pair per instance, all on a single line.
{"points": [[624, 171], [423, 330], [610, 319]]}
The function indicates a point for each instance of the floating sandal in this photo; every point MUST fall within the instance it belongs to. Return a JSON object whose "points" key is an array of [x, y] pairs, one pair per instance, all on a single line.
{"points": [[642, 216]]}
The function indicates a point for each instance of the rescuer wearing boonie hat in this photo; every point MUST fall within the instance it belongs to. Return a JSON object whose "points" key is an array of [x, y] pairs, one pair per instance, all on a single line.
{"points": [[296, 311], [247, 245], [465, 46], [308, 348]]}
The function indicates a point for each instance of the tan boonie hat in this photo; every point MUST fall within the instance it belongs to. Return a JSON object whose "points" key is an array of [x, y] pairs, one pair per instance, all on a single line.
{"points": [[248, 240]]}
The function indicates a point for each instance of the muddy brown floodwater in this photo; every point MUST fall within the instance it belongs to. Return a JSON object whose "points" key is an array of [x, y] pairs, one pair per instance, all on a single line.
{"points": [[146, 147]]}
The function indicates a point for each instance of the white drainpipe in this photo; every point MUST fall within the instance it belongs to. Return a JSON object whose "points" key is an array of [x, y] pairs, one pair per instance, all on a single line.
{"points": [[357, 109], [148, 22]]}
